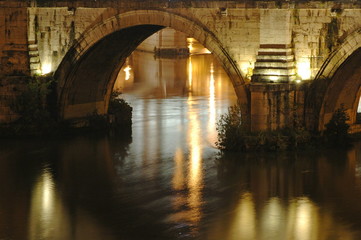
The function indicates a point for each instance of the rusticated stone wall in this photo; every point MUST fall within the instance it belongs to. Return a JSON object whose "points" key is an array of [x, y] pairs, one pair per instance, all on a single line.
{"points": [[14, 61]]}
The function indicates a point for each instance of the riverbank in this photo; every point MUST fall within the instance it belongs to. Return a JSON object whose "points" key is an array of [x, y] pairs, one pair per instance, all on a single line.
{"points": [[235, 136], [36, 108]]}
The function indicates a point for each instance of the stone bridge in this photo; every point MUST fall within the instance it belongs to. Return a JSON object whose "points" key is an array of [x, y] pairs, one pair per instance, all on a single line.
{"points": [[283, 57]]}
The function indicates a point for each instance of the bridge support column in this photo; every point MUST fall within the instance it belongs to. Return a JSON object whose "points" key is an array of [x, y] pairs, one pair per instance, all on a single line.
{"points": [[275, 106]]}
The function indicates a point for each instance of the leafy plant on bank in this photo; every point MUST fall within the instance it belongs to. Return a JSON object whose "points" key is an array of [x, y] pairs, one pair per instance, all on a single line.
{"points": [[117, 121], [229, 129], [36, 107], [233, 135], [33, 107], [336, 132]]}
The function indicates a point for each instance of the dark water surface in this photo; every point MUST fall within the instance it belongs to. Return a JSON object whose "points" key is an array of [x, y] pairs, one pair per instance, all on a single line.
{"points": [[168, 181]]}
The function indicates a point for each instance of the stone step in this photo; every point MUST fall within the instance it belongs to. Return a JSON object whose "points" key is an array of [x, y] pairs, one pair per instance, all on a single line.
{"points": [[34, 53], [269, 64], [275, 58], [34, 59], [35, 66], [274, 71], [33, 47], [273, 78], [273, 50]]}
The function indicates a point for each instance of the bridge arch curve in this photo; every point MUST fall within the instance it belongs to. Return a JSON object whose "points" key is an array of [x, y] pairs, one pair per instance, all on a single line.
{"points": [[88, 71], [337, 83]]}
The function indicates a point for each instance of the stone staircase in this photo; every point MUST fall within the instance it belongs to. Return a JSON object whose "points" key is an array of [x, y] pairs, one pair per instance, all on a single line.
{"points": [[35, 65], [274, 64]]}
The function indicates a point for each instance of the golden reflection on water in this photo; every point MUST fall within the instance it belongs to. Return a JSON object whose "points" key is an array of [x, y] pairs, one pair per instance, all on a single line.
{"points": [[212, 106], [303, 215], [178, 176], [44, 208], [243, 224], [190, 74], [195, 181], [273, 219]]}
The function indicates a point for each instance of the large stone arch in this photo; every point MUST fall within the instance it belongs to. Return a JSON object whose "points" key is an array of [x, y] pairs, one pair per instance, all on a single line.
{"points": [[88, 71], [337, 83]]}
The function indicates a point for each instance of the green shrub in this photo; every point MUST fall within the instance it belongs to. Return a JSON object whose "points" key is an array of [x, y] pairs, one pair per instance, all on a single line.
{"points": [[229, 129], [233, 135], [36, 106], [120, 113], [336, 131], [33, 107]]}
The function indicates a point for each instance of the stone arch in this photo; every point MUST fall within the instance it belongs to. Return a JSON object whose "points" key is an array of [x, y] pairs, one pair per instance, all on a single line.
{"points": [[338, 82], [82, 90]]}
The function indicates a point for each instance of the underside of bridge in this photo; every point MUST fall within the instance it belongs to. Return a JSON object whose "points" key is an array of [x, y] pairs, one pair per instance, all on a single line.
{"points": [[89, 81], [343, 89], [88, 71]]}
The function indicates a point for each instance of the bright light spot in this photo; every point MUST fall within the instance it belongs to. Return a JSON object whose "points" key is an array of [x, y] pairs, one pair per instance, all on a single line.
{"points": [[243, 224], [43, 207], [273, 217], [127, 72], [274, 78], [195, 182], [190, 72], [206, 51], [305, 216], [45, 68], [247, 69], [47, 198], [178, 176], [190, 46], [304, 70], [298, 81], [212, 103]]}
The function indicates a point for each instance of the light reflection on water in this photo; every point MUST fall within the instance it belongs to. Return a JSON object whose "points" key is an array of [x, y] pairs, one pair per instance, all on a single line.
{"points": [[168, 182], [42, 207]]}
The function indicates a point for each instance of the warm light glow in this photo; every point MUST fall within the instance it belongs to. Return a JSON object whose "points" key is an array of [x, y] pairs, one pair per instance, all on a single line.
{"points": [[178, 177], [274, 78], [190, 72], [45, 68], [206, 51], [273, 217], [127, 72], [304, 70], [304, 215], [243, 226], [195, 166], [42, 208], [298, 81], [212, 106], [196, 48], [190, 47], [247, 69]]}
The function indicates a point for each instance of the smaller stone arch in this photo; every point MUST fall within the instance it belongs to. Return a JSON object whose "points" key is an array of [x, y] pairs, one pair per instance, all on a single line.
{"points": [[337, 83], [80, 93]]}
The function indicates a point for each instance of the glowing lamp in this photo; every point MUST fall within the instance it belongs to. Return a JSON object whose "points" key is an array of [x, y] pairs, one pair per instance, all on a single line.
{"points": [[127, 72], [304, 70], [45, 68]]}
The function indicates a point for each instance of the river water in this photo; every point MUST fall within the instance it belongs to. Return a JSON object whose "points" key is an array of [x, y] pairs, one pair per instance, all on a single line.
{"points": [[168, 181]]}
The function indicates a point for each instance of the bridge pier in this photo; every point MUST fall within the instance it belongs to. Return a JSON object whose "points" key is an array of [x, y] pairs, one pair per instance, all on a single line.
{"points": [[275, 105]]}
